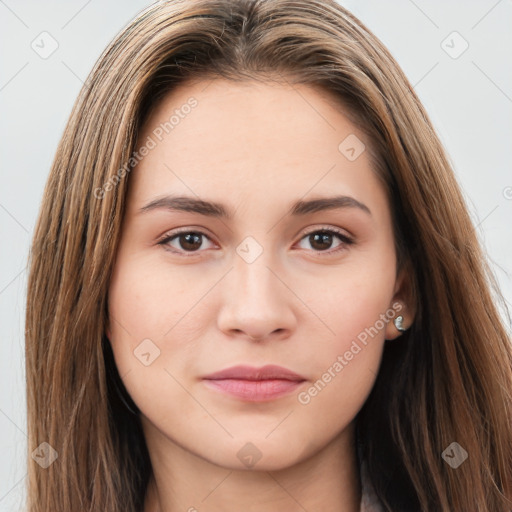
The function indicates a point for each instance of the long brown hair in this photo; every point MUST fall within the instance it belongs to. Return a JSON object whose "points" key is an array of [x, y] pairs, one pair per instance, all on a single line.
{"points": [[448, 379]]}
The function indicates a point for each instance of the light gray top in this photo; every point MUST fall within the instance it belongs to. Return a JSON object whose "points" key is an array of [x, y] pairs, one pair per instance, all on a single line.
{"points": [[369, 500]]}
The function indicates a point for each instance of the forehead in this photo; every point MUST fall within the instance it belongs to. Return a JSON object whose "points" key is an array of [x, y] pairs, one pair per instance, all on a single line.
{"points": [[252, 139]]}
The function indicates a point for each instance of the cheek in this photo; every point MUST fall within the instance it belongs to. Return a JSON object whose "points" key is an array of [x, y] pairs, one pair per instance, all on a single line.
{"points": [[345, 366], [144, 310], [145, 304], [347, 358], [355, 302], [139, 316], [157, 310]]}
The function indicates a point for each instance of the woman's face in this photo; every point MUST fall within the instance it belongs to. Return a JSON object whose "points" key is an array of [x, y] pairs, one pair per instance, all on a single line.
{"points": [[267, 276]]}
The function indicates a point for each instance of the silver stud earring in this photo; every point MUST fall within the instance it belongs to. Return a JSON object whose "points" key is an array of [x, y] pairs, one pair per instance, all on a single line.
{"points": [[398, 321]]}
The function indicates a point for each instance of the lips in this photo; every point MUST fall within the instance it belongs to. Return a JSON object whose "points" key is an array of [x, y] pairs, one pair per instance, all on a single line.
{"points": [[268, 372], [254, 384]]}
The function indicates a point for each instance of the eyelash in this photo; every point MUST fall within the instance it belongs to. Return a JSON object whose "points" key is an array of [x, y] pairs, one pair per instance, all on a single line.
{"points": [[168, 237]]}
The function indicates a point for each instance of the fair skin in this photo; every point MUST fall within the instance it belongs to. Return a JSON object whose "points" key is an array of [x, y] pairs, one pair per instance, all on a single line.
{"points": [[256, 148]]}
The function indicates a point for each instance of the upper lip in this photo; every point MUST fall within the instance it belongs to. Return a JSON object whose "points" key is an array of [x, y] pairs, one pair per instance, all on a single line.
{"points": [[266, 372]]}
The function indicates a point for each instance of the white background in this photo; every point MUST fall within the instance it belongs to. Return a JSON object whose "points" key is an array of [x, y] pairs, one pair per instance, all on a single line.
{"points": [[469, 99]]}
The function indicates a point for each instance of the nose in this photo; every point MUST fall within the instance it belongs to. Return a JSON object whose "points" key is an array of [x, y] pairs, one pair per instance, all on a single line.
{"points": [[257, 302]]}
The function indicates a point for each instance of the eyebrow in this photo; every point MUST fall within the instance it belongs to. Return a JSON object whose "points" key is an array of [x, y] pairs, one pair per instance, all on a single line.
{"points": [[217, 210]]}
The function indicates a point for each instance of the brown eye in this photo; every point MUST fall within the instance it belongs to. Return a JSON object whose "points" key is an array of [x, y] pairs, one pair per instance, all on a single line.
{"points": [[184, 241], [190, 241], [322, 240]]}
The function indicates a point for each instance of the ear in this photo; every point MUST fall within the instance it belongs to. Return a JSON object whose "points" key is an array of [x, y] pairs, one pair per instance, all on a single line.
{"points": [[403, 303]]}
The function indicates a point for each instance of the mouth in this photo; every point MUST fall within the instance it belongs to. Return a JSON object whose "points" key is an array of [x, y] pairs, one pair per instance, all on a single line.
{"points": [[255, 384]]}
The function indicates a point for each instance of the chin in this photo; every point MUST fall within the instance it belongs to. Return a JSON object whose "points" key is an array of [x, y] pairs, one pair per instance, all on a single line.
{"points": [[259, 454]]}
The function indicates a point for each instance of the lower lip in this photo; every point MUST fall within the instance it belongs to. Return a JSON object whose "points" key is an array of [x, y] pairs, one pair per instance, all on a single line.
{"points": [[254, 390]]}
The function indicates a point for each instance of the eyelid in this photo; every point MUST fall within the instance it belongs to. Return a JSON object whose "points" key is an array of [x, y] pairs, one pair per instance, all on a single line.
{"points": [[345, 237], [173, 233], [343, 233]]}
